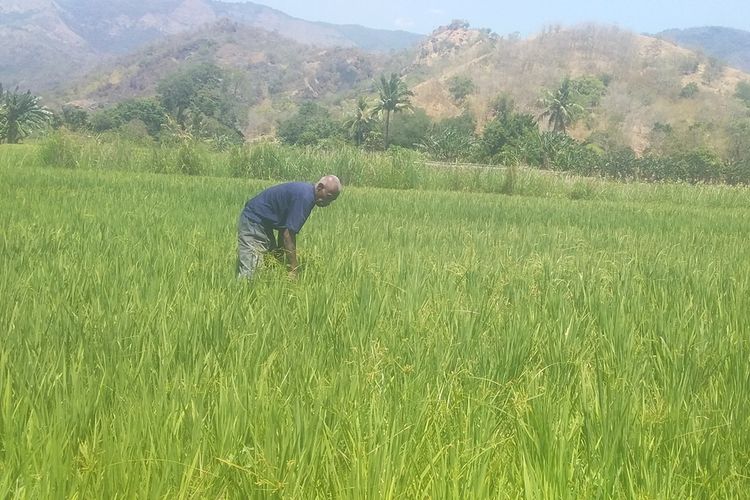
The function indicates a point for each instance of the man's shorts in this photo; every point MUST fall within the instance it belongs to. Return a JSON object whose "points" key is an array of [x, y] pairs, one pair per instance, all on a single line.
{"points": [[253, 240]]}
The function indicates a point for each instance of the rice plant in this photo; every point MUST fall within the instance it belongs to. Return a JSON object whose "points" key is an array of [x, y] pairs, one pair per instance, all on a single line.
{"points": [[438, 344]]}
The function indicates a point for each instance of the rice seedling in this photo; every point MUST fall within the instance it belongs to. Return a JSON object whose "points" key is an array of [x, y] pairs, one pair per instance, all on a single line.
{"points": [[439, 344]]}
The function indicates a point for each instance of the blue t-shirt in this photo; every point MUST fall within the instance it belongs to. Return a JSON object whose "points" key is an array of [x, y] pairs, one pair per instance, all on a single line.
{"points": [[284, 206]]}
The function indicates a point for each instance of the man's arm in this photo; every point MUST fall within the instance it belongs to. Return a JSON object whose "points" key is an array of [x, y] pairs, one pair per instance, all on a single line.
{"points": [[289, 240]]}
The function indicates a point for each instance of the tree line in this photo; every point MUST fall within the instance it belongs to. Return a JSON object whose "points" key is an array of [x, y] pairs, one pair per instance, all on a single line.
{"points": [[198, 102]]}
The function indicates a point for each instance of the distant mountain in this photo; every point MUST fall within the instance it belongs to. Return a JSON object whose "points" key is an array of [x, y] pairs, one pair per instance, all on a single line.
{"points": [[275, 62], [39, 49], [47, 41], [729, 45], [316, 33], [269, 73]]}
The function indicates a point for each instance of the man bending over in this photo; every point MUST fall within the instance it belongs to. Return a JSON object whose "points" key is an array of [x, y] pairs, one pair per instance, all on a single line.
{"points": [[284, 208]]}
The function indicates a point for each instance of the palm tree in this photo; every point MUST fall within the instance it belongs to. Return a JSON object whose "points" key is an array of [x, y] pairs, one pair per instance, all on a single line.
{"points": [[360, 122], [20, 113], [560, 107], [393, 96]]}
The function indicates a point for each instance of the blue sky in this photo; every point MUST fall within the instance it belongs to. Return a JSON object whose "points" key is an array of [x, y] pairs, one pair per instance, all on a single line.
{"points": [[524, 16]]}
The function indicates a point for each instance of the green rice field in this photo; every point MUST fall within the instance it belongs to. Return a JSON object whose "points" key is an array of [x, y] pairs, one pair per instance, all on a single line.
{"points": [[437, 344]]}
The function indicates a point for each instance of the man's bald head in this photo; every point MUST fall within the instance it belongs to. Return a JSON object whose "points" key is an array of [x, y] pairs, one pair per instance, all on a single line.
{"points": [[327, 190]]}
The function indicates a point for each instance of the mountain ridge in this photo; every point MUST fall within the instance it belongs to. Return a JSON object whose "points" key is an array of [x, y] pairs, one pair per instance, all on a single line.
{"points": [[646, 76], [39, 33], [727, 44], [651, 82]]}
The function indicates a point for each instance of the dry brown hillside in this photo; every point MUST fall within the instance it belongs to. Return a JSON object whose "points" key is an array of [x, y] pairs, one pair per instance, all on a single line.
{"points": [[269, 73], [646, 77]]}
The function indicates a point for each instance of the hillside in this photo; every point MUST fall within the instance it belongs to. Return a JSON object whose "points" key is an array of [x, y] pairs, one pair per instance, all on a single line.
{"points": [[726, 44], [46, 42], [646, 77], [40, 50], [270, 73]]}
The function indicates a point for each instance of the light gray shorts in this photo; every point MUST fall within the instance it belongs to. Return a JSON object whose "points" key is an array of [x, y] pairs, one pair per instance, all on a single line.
{"points": [[253, 240]]}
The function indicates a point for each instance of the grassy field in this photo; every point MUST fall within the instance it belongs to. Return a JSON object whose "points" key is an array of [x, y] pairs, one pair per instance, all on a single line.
{"points": [[437, 344]]}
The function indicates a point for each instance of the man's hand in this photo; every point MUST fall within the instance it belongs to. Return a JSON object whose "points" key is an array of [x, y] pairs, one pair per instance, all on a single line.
{"points": [[290, 250]]}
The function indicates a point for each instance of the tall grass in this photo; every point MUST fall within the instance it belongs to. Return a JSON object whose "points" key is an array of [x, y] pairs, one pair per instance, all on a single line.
{"points": [[396, 169], [437, 344]]}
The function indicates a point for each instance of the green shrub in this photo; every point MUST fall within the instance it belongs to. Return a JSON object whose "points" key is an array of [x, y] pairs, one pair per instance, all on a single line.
{"points": [[460, 87], [737, 172], [161, 161], [510, 180], [239, 161], [742, 92], [452, 139], [60, 149], [582, 190], [409, 129], [265, 161], [620, 164], [689, 90], [310, 124], [189, 160], [696, 166]]}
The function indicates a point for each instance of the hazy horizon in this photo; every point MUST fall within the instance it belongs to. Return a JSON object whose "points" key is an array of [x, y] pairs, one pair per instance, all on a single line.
{"points": [[526, 18]]}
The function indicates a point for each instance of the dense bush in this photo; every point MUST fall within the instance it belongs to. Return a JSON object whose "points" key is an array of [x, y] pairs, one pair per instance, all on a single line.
{"points": [[200, 89], [736, 172], [503, 138], [452, 139], [577, 158], [696, 166], [190, 160], [689, 90], [74, 117], [147, 111], [309, 125], [407, 130], [60, 149], [742, 92], [460, 87], [620, 164]]}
